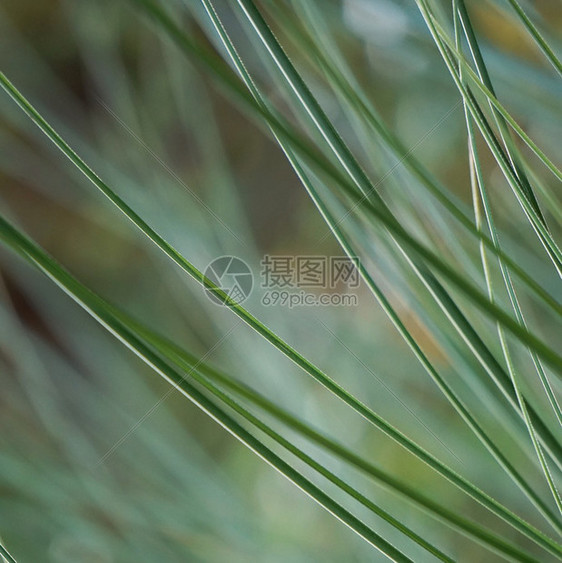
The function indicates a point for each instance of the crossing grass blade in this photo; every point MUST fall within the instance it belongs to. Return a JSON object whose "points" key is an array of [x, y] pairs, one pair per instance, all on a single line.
{"points": [[6, 555], [377, 292], [351, 93], [536, 35], [265, 332], [446, 48], [436, 289], [127, 332], [300, 144], [476, 80], [95, 307], [366, 196], [480, 197], [441, 272]]}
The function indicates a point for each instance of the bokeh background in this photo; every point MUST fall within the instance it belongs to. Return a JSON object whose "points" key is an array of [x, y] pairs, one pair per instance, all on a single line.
{"points": [[99, 462]]}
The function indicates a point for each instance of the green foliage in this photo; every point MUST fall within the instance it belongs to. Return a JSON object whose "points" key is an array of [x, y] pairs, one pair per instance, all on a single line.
{"points": [[464, 264]]}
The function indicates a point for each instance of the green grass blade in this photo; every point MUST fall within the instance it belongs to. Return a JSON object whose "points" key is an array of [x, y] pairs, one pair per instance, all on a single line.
{"points": [[363, 108], [536, 35], [6, 555], [510, 148]]}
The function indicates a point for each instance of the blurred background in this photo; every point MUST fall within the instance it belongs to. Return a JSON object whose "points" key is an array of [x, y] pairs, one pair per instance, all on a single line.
{"points": [[99, 462]]}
